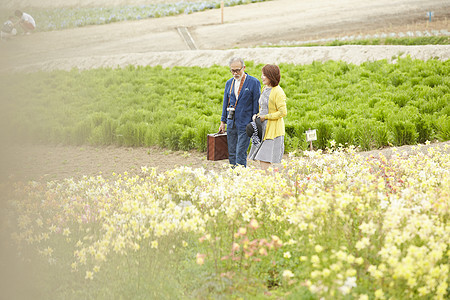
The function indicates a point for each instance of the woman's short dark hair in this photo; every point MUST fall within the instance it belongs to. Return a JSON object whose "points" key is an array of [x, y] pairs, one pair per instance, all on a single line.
{"points": [[18, 13], [272, 72]]}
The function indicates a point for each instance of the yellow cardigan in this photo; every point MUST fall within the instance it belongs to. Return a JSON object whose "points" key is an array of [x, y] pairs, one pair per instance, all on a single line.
{"points": [[277, 110]]}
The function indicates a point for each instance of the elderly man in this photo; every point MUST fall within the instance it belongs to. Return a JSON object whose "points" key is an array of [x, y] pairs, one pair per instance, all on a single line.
{"points": [[240, 103]]}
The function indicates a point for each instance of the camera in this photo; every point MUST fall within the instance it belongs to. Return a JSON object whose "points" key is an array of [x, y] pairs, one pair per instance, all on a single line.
{"points": [[230, 113]]}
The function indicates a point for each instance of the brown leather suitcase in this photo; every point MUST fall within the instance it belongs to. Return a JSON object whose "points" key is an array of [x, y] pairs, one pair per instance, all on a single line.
{"points": [[217, 146]]}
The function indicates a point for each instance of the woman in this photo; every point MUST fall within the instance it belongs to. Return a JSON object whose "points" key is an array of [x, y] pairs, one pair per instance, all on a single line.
{"points": [[272, 109], [8, 29]]}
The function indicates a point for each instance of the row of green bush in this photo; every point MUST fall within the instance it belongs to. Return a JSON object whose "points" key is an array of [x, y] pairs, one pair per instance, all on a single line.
{"points": [[371, 105], [407, 41]]}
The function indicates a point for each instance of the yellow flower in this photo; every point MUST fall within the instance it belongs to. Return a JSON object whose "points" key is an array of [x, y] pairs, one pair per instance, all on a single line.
{"points": [[53, 229], [99, 256], [254, 224], [154, 244], [350, 259], [318, 248], [263, 251], [336, 267], [277, 241], [368, 228], [66, 232], [287, 254], [315, 274], [242, 231], [441, 290], [39, 222], [412, 282], [89, 275], [200, 259], [363, 243], [315, 259], [359, 260], [291, 242], [350, 272], [379, 294], [423, 291]]}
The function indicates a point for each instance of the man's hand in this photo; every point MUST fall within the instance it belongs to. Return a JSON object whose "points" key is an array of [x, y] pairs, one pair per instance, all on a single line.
{"points": [[222, 127]]}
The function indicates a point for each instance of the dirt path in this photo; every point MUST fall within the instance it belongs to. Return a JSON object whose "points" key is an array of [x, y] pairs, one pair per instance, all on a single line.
{"points": [[44, 163]]}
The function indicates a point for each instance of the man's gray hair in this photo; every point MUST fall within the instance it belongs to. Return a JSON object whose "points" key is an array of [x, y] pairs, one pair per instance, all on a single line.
{"points": [[234, 59]]}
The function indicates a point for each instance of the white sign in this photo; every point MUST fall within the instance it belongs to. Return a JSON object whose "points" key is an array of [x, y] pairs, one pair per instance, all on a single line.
{"points": [[311, 135]]}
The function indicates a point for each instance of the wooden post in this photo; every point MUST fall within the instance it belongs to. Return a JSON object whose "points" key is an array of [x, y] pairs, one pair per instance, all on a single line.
{"points": [[310, 143], [221, 9]]}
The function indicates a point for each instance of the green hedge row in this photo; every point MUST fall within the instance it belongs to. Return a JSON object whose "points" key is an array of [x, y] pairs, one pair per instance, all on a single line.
{"points": [[371, 105]]}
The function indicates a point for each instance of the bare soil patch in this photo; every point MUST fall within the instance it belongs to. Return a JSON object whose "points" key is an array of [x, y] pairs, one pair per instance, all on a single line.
{"points": [[46, 162]]}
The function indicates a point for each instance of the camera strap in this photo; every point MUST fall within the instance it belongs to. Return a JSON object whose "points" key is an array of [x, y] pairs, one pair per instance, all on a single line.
{"points": [[239, 91]]}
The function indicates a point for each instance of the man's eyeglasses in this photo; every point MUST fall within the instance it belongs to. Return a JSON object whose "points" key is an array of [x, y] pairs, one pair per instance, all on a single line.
{"points": [[235, 70]]}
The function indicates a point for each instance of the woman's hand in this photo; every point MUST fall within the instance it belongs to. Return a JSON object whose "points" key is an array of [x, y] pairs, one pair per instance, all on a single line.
{"points": [[262, 118]]}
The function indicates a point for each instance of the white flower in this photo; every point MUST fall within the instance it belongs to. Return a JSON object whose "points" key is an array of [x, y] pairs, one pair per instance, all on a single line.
{"points": [[287, 274], [349, 283]]}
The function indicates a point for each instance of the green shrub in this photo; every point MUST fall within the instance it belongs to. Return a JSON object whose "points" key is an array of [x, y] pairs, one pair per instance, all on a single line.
{"points": [[381, 136], [82, 132], [292, 143], [424, 130], [169, 136], [324, 133], [187, 139], [404, 133], [135, 106], [342, 135], [202, 134], [442, 125]]}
